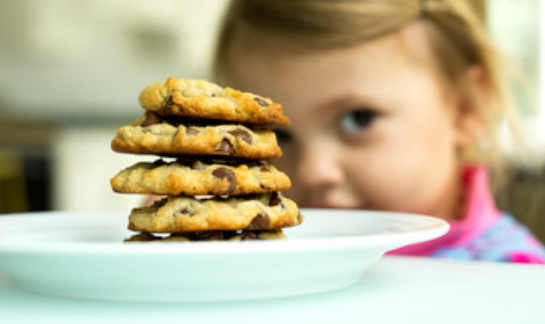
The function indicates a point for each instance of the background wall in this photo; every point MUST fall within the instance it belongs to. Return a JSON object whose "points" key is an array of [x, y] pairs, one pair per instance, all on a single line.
{"points": [[72, 58], [70, 74]]}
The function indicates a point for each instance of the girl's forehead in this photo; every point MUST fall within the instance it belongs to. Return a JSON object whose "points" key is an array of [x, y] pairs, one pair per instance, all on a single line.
{"points": [[408, 46], [374, 63]]}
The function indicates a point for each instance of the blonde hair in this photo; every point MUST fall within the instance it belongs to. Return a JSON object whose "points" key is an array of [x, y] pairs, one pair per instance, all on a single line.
{"points": [[456, 36]]}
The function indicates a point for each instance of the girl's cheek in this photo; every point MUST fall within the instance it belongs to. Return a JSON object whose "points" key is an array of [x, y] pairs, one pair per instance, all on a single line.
{"points": [[288, 164]]}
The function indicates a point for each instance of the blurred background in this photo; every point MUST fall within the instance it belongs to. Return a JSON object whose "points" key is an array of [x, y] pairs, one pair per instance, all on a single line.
{"points": [[71, 72]]}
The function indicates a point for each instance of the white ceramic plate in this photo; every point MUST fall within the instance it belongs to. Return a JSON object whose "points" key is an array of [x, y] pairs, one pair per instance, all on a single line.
{"points": [[81, 254]]}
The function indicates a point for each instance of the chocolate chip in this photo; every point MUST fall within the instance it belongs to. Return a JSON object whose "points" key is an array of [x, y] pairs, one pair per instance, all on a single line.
{"points": [[151, 119], [225, 147], [191, 131], [261, 102], [275, 199], [246, 137], [186, 212], [175, 110], [228, 234], [197, 165], [158, 163], [260, 222], [224, 173], [159, 203], [171, 108]]}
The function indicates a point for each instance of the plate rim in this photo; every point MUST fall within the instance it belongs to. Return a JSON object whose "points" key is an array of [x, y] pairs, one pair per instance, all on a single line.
{"points": [[205, 248]]}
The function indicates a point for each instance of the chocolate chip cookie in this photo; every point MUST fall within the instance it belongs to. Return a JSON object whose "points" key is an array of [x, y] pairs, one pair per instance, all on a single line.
{"points": [[186, 214], [220, 187], [201, 99], [198, 178], [172, 139], [210, 236]]}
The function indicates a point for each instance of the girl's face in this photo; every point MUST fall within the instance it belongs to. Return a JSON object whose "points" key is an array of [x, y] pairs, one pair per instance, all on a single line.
{"points": [[372, 125]]}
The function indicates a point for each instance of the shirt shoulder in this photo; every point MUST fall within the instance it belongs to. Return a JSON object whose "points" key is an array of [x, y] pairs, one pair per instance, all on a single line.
{"points": [[505, 240]]}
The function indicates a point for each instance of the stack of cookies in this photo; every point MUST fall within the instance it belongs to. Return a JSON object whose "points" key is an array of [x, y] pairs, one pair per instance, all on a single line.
{"points": [[214, 146]]}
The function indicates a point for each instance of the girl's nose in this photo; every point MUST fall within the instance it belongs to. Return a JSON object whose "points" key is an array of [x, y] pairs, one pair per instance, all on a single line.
{"points": [[319, 165]]}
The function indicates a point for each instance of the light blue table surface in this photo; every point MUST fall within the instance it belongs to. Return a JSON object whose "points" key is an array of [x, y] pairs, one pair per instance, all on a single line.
{"points": [[394, 290]]}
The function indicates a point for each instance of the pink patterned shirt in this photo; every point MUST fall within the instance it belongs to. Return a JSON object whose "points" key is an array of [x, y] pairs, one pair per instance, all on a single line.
{"points": [[485, 233]]}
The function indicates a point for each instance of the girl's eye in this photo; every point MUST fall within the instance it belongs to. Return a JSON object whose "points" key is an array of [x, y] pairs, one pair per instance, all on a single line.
{"points": [[357, 120], [283, 137]]}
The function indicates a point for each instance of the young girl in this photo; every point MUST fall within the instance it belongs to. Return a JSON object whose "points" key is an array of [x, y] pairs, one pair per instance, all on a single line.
{"points": [[395, 105]]}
